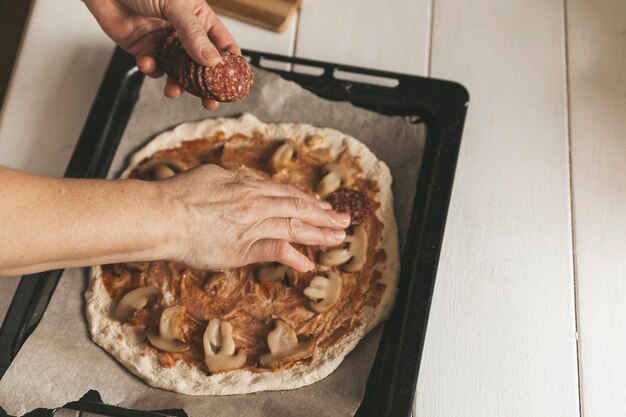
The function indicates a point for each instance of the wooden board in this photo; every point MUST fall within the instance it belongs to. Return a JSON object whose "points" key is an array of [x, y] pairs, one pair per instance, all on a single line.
{"points": [[501, 338], [268, 14], [596, 34], [391, 35]]}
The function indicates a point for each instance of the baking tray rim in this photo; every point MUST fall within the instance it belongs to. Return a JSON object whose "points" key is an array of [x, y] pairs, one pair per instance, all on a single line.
{"points": [[442, 107]]}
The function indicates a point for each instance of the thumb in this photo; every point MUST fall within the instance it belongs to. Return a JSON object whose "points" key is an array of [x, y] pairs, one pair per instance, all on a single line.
{"points": [[191, 33]]}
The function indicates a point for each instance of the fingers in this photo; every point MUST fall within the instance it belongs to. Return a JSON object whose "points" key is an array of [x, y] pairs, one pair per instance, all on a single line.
{"points": [[298, 208], [148, 66], [191, 32], [279, 251], [278, 189], [172, 89], [221, 37], [296, 231], [209, 104]]}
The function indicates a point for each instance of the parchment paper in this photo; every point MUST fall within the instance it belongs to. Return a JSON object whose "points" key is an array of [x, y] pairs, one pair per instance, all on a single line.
{"points": [[59, 363]]}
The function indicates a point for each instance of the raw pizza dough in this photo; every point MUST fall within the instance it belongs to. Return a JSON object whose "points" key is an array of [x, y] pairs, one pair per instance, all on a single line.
{"points": [[127, 343]]}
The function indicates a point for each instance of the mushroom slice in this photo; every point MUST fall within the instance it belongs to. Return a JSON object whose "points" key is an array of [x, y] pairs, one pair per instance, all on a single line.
{"points": [[335, 176], [323, 292], [284, 347], [170, 325], [219, 347], [358, 249], [160, 168], [353, 258], [214, 279], [171, 346], [313, 141], [134, 300], [282, 156], [335, 257], [276, 272]]}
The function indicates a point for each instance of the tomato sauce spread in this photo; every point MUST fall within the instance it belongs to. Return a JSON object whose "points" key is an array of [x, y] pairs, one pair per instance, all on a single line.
{"points": [[237, 295]]}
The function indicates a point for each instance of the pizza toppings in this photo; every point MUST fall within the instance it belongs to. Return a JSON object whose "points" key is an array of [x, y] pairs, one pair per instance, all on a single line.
{"points": [[170, 336], [358, 249], [230, 80], [352, 202], [219, 347], [166, 345], [160, 169], [284, 346], [282, 156], [335, 257], [352, 258], [335, 176], [171, 323], [276, 272], [249, 299], [134, 300], [323, 292]]}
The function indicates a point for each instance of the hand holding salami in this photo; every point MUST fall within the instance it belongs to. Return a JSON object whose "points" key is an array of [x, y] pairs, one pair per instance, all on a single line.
{"points": [[201, 41]]}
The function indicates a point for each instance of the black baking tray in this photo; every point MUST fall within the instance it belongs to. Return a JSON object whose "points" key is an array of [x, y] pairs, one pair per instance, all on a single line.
{"points": [[441, 105]]}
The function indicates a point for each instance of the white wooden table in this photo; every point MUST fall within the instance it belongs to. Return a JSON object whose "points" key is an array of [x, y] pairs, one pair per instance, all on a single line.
{"points": [[528, 312]]}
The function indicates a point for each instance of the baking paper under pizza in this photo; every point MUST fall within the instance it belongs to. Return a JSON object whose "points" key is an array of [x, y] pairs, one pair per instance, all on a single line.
{"points": [[262, 326]]}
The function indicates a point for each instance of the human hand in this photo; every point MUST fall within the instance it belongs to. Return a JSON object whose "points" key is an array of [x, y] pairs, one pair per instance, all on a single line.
{"points": [[138, 25], [224, 220]]}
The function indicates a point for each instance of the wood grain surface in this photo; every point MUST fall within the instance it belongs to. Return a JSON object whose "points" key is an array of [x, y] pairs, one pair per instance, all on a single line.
{"points": [[501, 337], [392, 35], [502, 334], [596, 40], [269, 14]]}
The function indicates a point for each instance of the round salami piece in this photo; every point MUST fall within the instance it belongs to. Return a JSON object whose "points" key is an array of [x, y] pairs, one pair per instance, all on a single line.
{"points": [[352, 202], [230, 80]]}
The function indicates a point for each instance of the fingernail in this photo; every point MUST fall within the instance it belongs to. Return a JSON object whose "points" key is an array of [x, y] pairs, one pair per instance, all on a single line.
{"points": [[344, 219], [310, 265], [326, 205], [339, 234], [209, 54]]}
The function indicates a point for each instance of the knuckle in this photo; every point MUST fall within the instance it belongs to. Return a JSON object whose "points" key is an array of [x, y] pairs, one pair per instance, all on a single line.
{"points": [[281, 249], [194, 30], [294, 227], [301, 207]]}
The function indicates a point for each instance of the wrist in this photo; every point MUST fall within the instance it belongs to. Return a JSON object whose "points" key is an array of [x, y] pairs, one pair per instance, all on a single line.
{"points": [[169, 214]]}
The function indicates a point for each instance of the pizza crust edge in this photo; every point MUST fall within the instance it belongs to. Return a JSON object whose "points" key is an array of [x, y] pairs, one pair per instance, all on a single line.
{"points": [[126, 343]]}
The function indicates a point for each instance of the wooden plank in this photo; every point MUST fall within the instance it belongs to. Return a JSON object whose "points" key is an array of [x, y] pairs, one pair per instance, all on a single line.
{"points": [[251, 37], [501, 336], [596, 35], [269, 14], [391, 35]]}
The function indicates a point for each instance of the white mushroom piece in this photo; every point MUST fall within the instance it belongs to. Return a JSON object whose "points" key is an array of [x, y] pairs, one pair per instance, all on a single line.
{"points": [[161, 168], [282, 155], [169, 338], [323, 292], [219, 347], [284, 347], [276, 272], [353, 258], [335, 176], [134, 300]]}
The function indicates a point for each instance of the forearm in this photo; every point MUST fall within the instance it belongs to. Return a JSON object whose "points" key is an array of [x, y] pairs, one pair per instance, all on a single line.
{"points": [[48, 223]]}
